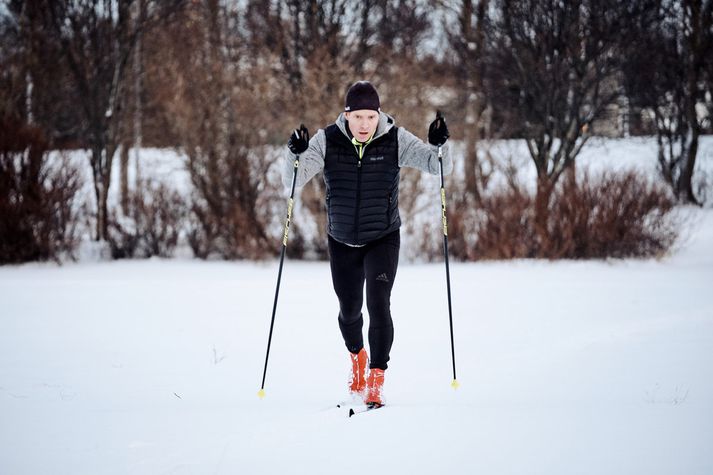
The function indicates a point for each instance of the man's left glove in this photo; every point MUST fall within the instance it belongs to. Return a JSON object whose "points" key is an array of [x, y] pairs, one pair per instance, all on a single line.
{"points": [[438, 130], [299, 140]]}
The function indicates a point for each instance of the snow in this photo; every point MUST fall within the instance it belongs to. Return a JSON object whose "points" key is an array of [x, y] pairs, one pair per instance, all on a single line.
{"points": [[153, 366]]}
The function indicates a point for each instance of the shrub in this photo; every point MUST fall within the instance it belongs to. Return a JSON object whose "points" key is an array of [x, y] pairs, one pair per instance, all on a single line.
{"points": [[38, 215], [616, 215], [156, 217], [230, 190], [609, 216], [505, 227]]}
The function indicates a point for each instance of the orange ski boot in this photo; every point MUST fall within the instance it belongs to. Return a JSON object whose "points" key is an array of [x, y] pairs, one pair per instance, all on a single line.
{"points": [[357, 384], [374, 387]]}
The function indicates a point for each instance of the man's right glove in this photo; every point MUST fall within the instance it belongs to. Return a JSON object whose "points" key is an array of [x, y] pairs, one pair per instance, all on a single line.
{"points": [[299, 140], [438, 131]]}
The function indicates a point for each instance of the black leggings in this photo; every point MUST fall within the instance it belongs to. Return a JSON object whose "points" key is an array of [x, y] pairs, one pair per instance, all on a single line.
{"points": [[376, 264]]}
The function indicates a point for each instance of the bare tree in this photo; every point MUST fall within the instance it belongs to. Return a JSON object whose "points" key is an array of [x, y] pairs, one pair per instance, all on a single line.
{"points": [[556, 71], [96, 43], [670, 76], [37, 92], [316, 49], [313, 46], [313, 49], [469, 45], [14, 75], [404, 70], [95, 39], [216, 104], [132, 131]]}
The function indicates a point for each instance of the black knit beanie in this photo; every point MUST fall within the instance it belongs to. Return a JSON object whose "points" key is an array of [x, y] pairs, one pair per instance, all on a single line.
{"points": [[362, 95]]}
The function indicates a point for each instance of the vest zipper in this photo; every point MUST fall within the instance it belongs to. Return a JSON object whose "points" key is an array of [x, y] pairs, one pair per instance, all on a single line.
{"points": [[358, 196], [359, 148]]}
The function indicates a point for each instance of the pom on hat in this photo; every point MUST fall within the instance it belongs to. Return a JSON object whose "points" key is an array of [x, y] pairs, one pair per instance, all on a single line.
{"points": [[362, 95]]}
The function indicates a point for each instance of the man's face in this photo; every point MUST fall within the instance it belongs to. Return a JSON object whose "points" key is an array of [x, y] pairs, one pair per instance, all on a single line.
{"points": [[362, 123]]}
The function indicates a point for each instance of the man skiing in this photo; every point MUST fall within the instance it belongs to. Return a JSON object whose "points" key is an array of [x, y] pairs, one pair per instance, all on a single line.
{"points": [[361, 155]]}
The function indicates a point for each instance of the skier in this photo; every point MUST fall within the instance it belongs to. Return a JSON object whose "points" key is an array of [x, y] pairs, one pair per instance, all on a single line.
{"points": [[361, 155]]}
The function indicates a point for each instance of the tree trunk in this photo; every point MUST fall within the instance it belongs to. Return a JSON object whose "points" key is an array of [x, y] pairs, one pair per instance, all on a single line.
{"points": [[98, 192], [124, 177], [472, 166], [104, 213], [684, 187], [138, 105], [542, 212], [473, 50]]}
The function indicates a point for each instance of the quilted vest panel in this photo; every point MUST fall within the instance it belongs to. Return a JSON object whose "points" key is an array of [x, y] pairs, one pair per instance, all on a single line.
{"points": [[362, 195]]}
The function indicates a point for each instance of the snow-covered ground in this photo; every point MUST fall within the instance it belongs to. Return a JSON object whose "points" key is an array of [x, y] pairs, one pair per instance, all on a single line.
{"points": [[153, 367]]}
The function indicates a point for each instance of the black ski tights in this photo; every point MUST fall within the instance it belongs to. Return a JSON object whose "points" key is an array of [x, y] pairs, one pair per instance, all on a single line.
{"points": [[376, 265]]}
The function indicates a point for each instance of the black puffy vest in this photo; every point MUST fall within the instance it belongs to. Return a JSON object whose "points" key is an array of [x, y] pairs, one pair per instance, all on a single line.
{"points": [[362, 196]]}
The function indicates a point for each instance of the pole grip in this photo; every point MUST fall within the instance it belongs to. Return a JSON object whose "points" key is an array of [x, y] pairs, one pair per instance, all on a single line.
{"points": [[290, 203]]}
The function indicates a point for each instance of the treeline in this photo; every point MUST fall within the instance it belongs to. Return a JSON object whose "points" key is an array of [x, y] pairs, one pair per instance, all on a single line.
{"points": [[225, 81]]}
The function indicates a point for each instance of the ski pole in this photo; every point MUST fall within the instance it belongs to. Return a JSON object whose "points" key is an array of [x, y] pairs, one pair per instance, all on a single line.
{"points": [[290, 203], [454, 384]]}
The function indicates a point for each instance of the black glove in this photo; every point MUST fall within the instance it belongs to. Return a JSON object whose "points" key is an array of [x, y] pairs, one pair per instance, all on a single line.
{"points": [[299, 140], [438, 130]]}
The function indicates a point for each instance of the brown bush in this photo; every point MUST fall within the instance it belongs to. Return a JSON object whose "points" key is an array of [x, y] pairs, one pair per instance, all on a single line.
{"points": [[609, 216], [616, 215], [155, 220], [230, 190], [38, 216], [505, 226]]}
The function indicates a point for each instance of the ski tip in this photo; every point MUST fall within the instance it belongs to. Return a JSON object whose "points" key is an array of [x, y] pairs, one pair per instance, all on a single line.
{"points": [[455, 384], [261, 394], [351, 412]]}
